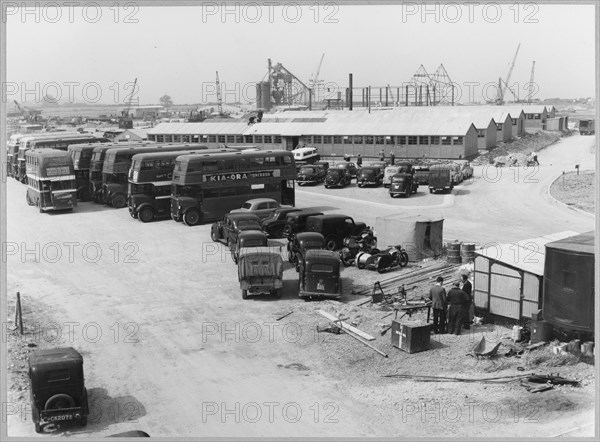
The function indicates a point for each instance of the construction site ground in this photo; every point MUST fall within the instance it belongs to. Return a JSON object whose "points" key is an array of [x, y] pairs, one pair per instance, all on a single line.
{"points": [[171, 348]]}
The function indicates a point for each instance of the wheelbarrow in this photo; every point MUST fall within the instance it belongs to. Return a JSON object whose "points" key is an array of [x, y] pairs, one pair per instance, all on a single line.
{"points": [[485, 349]]}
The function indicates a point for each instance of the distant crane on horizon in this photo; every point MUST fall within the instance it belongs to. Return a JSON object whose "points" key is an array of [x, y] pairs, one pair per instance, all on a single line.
{"points": [[504, 84], [531, 85]]}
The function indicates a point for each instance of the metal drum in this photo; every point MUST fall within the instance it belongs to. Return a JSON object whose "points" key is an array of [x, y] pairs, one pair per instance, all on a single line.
{"points": [[467, 252], [454, 252]]}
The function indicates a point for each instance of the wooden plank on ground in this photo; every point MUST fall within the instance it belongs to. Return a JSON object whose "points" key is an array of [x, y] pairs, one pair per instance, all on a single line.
{"points": [[347, 326]]}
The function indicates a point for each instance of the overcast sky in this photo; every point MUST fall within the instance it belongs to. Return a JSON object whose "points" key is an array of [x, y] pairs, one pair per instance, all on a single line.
{"points": [[176, 50]]}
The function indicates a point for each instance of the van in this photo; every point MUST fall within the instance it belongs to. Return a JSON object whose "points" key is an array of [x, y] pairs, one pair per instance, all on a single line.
{"points": [[307, 155]]}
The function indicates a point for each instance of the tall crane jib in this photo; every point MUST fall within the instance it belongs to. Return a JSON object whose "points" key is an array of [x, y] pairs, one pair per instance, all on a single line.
{"points": [[531, 85], [505, 83], [219, 99]]}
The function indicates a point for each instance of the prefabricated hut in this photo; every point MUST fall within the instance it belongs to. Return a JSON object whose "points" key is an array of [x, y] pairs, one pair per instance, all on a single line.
{"points": [[569, 283], [508, 278], [420, 235]]}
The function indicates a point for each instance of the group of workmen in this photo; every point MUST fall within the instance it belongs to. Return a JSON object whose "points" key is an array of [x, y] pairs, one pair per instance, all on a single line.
{"points": [[452, 311]]}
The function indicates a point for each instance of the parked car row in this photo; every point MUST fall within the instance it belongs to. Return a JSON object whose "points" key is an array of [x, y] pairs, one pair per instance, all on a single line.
{"points": [[313, 239], [403, 178]]}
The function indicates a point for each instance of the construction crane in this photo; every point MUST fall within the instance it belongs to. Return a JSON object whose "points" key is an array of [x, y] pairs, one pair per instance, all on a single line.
{"points": [[219, 100], [531, 85], [501, 86], [314, 82], [30, 115], [125, 121]]}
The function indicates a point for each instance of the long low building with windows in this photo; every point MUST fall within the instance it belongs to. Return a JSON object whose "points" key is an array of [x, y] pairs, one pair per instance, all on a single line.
{"points": [[409, 132]]}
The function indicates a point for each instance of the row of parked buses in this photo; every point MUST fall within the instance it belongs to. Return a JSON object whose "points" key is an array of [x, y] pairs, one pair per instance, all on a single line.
{"points": [[187, 182], [18, 145]]}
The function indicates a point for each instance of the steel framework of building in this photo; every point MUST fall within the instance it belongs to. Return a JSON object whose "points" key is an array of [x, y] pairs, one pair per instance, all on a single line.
{"points": [[284, 88]]}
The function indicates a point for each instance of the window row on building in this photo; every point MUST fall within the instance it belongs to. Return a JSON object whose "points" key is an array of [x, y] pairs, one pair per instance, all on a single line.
{"points": [[388, 140], [225, 139]]}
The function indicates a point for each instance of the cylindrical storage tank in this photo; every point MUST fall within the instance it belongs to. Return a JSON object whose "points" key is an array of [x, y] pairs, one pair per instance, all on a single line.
{"points": [[266, 95], [467, 252], [259, 95], [568, 296], [454, 252]]}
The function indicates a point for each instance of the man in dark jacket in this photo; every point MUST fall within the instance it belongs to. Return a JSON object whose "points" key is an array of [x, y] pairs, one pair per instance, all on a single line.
{"points": [[456, 299], [469, 308], [359, 161], [437, 294]]}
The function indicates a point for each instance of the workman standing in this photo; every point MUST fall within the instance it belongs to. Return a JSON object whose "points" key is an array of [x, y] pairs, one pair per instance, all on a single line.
{"points": [[457, 303], [437, 294], [470, 307]]}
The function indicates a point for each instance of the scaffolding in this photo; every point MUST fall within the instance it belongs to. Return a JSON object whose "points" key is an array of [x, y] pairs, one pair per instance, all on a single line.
{"points": [[282, 88]]}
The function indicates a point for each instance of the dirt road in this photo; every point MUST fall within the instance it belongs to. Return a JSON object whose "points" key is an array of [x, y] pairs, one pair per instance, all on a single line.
{"points": [[171, 348]]}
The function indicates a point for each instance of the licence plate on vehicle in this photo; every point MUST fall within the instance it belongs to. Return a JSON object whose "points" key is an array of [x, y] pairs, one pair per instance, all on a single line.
{"points": [[60, 417], [320, 286]]}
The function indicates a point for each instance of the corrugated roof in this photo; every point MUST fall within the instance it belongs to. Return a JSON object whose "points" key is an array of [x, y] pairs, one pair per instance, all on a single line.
{"points": [[233, 127], [528, 109], [581, 243], [433, 121], [140, 132], [528, 255]]}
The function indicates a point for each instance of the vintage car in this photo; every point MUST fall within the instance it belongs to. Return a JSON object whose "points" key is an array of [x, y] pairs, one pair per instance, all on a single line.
{"points": [[296, 222], [248, 238], [350, 167], [260, 271], [403, 184], [319, 277], [334, 228], [274, 224], [465, 168], [369, 176], [300, 243], [57, 387], [311, 174], [337, 177], [228, 229], [262, 207]]}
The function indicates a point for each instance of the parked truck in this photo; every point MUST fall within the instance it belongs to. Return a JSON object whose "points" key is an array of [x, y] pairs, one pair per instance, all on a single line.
{"points": [[440, 178], [587, 127]]}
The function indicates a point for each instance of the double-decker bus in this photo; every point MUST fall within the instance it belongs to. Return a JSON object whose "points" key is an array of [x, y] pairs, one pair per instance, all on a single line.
{"points": [[50, 180], [205, 187], [97, 164], [115, 169], [82, 158], [58, 143], [150, 178], [12, 148]]}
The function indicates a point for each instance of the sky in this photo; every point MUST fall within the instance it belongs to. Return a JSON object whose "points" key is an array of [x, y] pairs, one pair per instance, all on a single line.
{"points": [[93, 55]]}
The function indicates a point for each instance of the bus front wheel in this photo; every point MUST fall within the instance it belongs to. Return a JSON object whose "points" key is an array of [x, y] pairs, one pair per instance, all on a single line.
{"points": [[146, 215], [119, 201], [191, 217]]}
